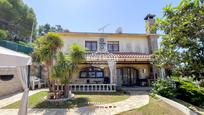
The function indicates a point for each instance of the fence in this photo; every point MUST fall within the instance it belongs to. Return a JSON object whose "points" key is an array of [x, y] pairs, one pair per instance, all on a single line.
{"points": [[16, 47]]}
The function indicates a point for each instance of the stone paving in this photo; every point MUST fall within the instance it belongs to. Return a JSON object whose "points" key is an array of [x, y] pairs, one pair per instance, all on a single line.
{"points": [[137, 99]]}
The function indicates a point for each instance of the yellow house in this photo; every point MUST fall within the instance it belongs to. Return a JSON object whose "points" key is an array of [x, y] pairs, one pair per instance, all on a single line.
{"points": [[113, 59]]}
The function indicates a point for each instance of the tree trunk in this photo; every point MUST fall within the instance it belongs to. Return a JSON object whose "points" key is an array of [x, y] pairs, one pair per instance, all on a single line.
{"points": [[49, 82], [66, 90], [53, 88]]}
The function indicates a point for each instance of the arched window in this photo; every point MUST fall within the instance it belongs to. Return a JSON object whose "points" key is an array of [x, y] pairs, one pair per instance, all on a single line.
{"points": [[91, 72]]}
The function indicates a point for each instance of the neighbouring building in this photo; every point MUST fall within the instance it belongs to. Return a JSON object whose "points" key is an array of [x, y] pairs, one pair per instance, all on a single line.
{"points": [[114, 59]]}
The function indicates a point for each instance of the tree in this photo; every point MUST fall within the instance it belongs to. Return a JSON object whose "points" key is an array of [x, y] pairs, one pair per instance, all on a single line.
{"points": [[45, 50], [182, 46], [17, 18], [44, 29], [61, 69], [77, 56], [67, 65]]}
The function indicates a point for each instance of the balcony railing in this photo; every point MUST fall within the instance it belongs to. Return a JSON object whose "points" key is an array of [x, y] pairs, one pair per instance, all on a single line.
{"points": [[93, 87]]}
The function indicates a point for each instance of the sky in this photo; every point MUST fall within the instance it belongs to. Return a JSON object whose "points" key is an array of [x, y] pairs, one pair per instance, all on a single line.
{"points": [[90, 15]]}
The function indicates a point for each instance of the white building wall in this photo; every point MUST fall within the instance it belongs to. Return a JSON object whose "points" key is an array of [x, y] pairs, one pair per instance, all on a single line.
{"points": [[125, 44]]}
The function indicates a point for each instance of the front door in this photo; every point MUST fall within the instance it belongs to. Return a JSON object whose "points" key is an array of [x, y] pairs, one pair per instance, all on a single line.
{"points": [[129, 76]]}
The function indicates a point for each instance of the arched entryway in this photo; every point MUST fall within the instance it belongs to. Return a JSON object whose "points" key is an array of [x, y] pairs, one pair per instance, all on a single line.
{"points": [[129, 76]]}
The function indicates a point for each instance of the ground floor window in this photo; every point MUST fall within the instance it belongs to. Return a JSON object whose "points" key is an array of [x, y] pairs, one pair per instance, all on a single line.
{"points": [[92, 72], [6, 77]]}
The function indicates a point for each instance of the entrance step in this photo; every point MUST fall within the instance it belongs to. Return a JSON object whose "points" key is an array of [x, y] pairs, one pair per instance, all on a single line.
{"points": [[136, 88]]}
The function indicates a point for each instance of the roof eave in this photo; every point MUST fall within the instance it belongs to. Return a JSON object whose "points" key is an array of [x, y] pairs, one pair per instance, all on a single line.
{"points": [[105, 34]]}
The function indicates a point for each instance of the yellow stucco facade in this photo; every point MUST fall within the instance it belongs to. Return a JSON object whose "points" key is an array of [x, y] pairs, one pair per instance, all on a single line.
{"points": [[130, 68]]}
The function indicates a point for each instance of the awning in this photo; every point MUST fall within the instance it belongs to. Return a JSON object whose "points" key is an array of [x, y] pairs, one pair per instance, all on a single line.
{"points": [[10, 58]]}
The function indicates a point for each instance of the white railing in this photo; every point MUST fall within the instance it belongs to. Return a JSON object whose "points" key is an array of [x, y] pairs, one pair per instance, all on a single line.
{"points": [[93, 87]]}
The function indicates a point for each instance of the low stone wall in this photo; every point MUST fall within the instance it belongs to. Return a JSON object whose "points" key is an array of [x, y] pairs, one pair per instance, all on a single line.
{"points": [[9, 86], [177, 105]]}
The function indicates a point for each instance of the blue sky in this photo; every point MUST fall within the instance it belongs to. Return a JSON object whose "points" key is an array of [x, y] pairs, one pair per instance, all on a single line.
{"points": [[90, 15]]}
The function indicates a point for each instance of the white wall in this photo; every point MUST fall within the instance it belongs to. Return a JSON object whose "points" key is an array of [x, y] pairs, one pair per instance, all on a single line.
{"points": [[10, 86], [125, 44]]}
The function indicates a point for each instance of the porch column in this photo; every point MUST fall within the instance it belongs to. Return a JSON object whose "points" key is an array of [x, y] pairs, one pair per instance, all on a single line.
{"points": [[115, 74], [154, 72], [112, 68]]}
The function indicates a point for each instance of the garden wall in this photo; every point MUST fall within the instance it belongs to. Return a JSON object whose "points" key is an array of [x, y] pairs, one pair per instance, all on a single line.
{"points": [[179, 106]]}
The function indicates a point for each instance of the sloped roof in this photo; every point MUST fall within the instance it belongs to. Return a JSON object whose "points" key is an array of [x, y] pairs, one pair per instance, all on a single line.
{"points": [[120, 56]]}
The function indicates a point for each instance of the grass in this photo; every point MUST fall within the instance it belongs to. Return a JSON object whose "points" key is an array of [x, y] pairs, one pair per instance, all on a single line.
{"points": [[155, 107], [81, 99]]}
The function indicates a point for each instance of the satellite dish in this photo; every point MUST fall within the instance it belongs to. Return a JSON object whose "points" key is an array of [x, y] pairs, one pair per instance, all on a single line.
{"points": [[119, 30]]}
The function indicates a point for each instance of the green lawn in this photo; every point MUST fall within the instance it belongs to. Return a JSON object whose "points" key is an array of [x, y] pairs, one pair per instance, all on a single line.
{"points": [[80, 99], [155, 107]]}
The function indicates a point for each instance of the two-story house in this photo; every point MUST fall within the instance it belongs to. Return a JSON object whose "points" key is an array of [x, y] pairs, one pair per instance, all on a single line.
{"points": [[119, 59]]}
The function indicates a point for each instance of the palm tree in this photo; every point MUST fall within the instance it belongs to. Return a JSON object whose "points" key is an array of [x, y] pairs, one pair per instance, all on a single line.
{"points": [[67, 65], [45, 50], [77, 56]]}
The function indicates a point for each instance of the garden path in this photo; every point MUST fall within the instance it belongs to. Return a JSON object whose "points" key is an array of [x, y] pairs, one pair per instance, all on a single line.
{"points": [[137, 99]]}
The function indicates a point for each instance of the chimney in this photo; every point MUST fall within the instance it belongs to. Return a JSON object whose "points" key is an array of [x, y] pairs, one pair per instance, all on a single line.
{"points": [[150, 20]]}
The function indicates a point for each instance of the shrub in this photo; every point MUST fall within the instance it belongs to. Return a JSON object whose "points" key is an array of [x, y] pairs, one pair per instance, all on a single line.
{"points": [[202, 83], [3, 34], [166, 88], [181, 89], [189, 92]]}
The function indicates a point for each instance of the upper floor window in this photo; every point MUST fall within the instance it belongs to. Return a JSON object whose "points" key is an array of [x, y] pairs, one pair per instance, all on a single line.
{"points": [[113, 46], [91, 45]]}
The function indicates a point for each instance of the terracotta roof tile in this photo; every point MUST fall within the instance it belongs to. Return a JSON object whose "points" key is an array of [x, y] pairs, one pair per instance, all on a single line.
{"points": [[123, 55]]}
